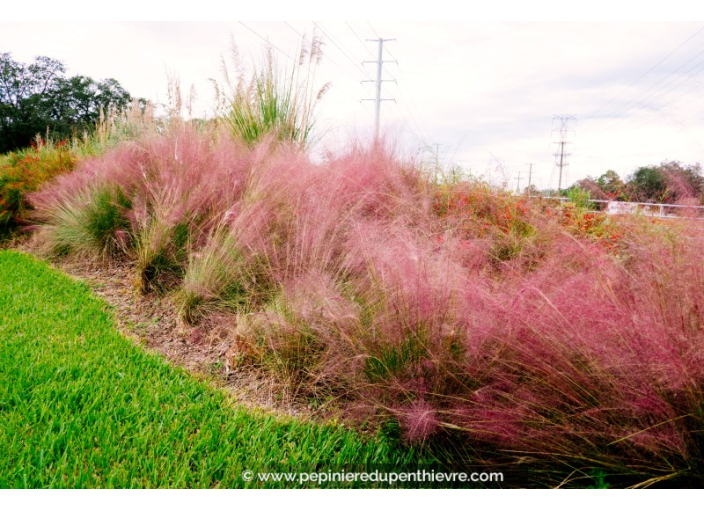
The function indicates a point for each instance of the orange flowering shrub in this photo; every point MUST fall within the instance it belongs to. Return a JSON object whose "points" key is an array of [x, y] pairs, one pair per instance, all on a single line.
{"points": [[593, 225], [23, 172], [477, 211]]}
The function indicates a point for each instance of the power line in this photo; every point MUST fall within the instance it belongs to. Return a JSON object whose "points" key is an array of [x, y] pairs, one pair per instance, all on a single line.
{"points": [[366, 48], [335, 42], [289, 26], [268, 42], [656, 111], [696, 116], [336, 64], [650, 96], [372, 29], [647, 72], [414, 109], [327, 57], [651, 105]]}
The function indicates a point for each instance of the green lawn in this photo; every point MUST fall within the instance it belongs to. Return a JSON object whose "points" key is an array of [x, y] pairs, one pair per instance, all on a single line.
{"points": [[82, 406]]}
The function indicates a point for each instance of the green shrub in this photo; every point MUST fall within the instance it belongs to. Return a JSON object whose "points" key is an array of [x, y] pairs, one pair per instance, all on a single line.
{"points": [[161, 255], [93, 222]]}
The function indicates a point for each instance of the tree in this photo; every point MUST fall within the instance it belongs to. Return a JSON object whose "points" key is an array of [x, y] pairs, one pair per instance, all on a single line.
{"points": [[38, 97], [683, 182], [647, 184], [592, 186], [669, 182], [611, 184], [532, 191]]}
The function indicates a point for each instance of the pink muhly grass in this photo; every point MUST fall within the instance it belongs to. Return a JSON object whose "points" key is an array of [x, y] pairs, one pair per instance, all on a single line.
{"points": [[346, 279], [585, 356], [171, 179], [419, 421]]}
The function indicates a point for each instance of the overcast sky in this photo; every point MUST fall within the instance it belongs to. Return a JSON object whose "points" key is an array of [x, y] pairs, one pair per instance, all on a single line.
{"points": [[486, 92]]}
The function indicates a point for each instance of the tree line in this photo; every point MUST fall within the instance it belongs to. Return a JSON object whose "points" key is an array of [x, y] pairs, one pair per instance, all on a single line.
{"points": [[670, 182], [38, 97]]}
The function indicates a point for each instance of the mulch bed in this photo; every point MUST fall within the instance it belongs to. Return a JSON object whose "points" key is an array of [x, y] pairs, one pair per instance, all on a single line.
{"points": [[153, 321]]}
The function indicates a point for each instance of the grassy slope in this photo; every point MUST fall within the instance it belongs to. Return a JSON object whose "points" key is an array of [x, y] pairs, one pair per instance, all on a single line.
{"points": [[82, 406]]}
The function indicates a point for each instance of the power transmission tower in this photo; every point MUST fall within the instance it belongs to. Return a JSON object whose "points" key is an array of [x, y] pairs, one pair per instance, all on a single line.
{"points": [[436, 153], [433, 161], [530, 174], [379, 64], [560, 155], [518, 183]]}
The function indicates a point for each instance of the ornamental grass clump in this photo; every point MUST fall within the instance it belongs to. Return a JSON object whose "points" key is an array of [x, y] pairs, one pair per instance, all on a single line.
{"points": [[166, 190], [273, 101], [92, 222], [215, 278]]}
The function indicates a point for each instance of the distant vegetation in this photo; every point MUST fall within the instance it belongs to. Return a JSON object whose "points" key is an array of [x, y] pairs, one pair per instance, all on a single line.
{"points": [[37, 98], [667, 183]]}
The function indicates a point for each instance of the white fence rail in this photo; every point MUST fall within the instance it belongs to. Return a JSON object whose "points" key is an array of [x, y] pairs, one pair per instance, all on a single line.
{"points": [[673, 211]]}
